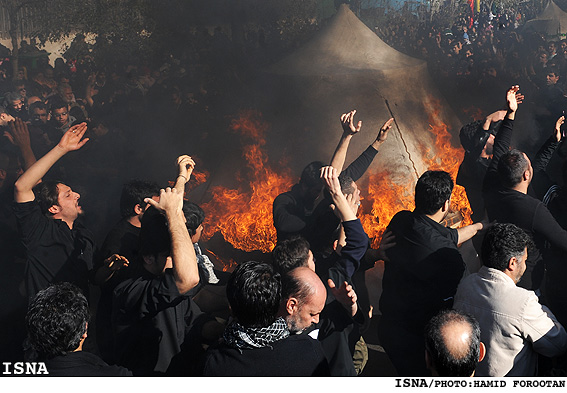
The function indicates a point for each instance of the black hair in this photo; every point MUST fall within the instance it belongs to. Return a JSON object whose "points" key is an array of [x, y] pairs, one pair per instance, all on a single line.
{"points": [[57, 103], [511, 168], [57, 319], [290, 253], [502, 242], [47, 194], [194, 216], [154, 235], [37, 105], [452, 362], [133, 193], [432, 190], [254, 293], [311, 175]]}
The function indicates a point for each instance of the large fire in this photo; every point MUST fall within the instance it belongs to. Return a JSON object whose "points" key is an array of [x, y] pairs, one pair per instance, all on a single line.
{"points": [[388, 197], [244, 216]]}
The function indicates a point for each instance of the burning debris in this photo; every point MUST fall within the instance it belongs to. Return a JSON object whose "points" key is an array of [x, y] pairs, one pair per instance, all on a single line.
{"points": [[244, 215]]}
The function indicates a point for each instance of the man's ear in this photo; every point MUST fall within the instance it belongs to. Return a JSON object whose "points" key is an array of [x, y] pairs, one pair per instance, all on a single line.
{"points": [[54, 209], [526, 175], [291, 305], [3, 174], [512, 264], [446, 206], [482, 352], [138, 209]]}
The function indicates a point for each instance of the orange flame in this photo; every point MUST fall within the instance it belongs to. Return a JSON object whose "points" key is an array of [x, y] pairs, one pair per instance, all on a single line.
{"points": [[244, 216], [228, 263], [388, 197], [447, 158]]}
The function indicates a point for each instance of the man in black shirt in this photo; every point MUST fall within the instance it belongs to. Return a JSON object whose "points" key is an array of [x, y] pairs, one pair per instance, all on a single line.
{"points": [[152, 314], [58, 247], [257, 342], [119, 248], [422, 272], [505, 192], [57, 323]]}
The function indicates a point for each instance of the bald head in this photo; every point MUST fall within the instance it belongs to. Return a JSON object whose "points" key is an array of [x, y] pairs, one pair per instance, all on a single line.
{"points": [[303, 298], [452, 342]]}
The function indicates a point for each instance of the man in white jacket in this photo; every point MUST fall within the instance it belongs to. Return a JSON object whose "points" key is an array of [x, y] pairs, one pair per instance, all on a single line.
{"points": [[514, 326]]}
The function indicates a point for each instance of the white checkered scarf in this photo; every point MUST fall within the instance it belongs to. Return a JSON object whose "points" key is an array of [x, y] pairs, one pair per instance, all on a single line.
{"points": [[240, 337]]}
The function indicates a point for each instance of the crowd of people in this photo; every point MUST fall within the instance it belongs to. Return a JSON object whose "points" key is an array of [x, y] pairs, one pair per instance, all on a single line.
{"points": [[484, 53], [97, 295]]}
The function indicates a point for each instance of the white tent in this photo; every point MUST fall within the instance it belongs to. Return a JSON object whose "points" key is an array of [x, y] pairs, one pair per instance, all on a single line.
{"points": [[347, 66], [552, 21]]}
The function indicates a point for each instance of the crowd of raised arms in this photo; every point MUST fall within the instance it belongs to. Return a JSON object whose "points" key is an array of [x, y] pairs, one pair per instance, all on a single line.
{"points": [[126, 289]]}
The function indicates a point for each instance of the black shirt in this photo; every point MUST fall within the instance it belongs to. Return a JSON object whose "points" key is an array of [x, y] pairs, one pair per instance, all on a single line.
{"points": [[83, 364], [505, 205], [151, 320], [295, 356], [55, 253], [423, 271]]}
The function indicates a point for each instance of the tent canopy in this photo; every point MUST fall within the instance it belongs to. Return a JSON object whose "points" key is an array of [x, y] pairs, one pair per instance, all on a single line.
{"points": [[347, 66], [552, 21]]}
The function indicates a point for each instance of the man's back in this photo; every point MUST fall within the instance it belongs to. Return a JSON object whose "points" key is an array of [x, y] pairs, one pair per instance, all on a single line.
{"points": [[420, 278], [513, 324], [424, 270], [297, 355], [151, 321]]}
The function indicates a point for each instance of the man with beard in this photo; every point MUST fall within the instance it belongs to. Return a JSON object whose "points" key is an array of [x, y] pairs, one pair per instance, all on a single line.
{"points": [[421, 273], [58, 247], [514, 325]]}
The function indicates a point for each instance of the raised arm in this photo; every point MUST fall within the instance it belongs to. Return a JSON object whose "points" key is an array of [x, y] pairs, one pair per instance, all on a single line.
{"points": [[353, 240], [357, 168], [504, 138], [71, 140], [185, 165], [541, 181], [185, 270], [382, 134], [349, 129], [19, 135], [340, 206]]}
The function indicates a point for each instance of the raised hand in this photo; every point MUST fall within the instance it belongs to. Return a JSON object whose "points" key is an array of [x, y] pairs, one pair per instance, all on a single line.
{"points": [[73, 138], [383, 133], [185, 166], [18, 133], [170, 201], [512, 98], [557, 132], [347, 121]]}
